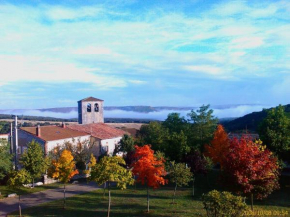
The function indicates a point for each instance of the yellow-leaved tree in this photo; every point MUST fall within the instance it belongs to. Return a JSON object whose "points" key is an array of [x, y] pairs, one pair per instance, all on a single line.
{"points": [[111, 169], [63, 169], [91, 164]]}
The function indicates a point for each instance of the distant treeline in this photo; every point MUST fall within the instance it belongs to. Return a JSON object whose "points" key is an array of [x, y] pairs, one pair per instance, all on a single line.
{"points": [[36, 118]]}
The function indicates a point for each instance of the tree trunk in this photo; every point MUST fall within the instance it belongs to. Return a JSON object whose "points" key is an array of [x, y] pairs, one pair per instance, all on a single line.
{"points": [[64, 195], [19, 206], [147, 198], [109, 206], [252, 201], [173, 199], [193, 186], [33, 183], [104, 192]]}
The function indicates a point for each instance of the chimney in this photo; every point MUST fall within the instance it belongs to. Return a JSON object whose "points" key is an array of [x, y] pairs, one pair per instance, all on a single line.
{"points": [[38, 131], [63, 125]]}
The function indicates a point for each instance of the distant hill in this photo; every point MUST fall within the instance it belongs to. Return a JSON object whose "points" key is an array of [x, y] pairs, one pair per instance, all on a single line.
{"points": [[51, 119], [139, 109], [250, 121]]}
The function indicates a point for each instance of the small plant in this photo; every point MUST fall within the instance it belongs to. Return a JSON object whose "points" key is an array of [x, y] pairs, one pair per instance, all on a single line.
{"points": [[223, 204]]}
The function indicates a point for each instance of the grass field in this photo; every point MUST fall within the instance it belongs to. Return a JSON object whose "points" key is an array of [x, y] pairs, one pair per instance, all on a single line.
{"points": [[5, 190], [132, 202]]}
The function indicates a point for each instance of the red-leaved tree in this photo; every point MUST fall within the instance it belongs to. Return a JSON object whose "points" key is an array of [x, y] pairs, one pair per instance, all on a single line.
{"points": [[148, 169], [250, 168], [218, 146]]}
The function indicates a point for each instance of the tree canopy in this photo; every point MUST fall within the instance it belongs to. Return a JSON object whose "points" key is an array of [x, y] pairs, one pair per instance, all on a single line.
{"points": [[274, 131], [33, 160], [203, 124], [218, 146], [148, 168], [250, 168], [126, 145], [5, 159], [63, 168], [111, 169]]}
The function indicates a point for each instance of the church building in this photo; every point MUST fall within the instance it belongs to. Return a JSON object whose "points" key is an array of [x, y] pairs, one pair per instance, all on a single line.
{"points": [[90, 130]]}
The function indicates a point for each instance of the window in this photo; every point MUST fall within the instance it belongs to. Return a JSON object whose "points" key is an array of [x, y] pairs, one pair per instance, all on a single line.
{"points": [[89, 107], [104, 149], [96, 107]]}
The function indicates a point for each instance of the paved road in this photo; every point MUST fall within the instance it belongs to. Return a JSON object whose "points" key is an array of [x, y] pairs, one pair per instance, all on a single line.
{"points": [[9, 205]]}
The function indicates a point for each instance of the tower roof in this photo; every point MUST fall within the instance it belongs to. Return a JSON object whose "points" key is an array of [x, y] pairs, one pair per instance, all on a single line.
{"points": [[89, 99]]}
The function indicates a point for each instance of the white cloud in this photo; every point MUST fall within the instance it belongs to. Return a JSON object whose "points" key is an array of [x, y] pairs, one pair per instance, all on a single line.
{"points": [[51, 43], [207, 69], [20, 68], [246, 42], [137, 82], [62, 13], [91, 50]]}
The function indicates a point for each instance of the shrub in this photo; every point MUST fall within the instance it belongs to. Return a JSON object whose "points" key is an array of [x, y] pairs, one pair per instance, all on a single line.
{"points": [[223, 204]]}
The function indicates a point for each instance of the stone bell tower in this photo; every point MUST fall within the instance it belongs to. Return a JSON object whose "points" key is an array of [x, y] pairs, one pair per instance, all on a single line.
{"points": [[90, 110]]}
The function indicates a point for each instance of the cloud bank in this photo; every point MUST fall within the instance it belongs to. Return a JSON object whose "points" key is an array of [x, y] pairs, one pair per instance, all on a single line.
{"points": [[144, 52]]}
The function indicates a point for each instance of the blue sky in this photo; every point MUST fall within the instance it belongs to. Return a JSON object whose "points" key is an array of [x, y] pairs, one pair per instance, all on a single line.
{"points": [[127, 52]]}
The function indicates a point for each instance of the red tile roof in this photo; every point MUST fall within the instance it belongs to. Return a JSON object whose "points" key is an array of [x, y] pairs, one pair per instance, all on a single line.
{"points": [[90, 99], [51, 133], [98, 130]]}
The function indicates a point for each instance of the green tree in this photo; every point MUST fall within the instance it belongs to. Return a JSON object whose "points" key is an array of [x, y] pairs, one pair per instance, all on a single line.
{"points": [[223, 204], [17, 179], [5, 159], [177, 146], [155, 134], [126, 145], [4, 127], [111, 169], [179, 175], [175, 123], [203, 125], [274, 131], [33, 160]]}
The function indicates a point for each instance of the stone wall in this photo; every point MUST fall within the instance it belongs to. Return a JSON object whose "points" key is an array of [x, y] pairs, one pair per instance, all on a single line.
{"points": [[86, 117]]}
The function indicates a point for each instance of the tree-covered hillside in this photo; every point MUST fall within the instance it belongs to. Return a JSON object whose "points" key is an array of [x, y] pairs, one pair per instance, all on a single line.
{"points": [[250, 121]]}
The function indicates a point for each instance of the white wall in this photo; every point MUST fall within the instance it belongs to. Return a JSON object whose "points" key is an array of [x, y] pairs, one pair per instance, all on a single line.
{"points": [[4, 136], [52, 144], [110, 144]]}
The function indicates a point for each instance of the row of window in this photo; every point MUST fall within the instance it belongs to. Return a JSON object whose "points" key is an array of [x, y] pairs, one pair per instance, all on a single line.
{"points": [[96, 107]]}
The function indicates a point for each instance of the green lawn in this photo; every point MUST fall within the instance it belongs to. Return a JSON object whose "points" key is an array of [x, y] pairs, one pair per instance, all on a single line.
{"points": [[132, 202], [5, 190]]}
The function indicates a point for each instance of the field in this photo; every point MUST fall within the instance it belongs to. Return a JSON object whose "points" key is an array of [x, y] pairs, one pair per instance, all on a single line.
{"points": [[132, 202], [5, 190]]}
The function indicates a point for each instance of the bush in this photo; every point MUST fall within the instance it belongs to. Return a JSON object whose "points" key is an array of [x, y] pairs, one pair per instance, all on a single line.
{"points": [[223, 204]]}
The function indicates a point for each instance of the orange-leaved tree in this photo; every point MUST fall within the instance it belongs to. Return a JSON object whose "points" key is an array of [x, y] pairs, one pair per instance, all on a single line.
{"points": [[63, 169], [219, 145], [250, 168], [148, 169]]}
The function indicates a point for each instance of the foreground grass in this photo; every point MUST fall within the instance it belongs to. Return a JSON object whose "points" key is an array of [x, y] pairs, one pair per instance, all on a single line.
{"points": [[132, 202], [125, 203], [5, 190]]}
